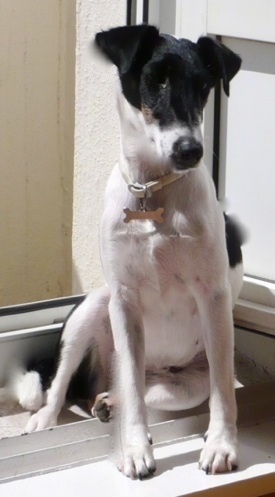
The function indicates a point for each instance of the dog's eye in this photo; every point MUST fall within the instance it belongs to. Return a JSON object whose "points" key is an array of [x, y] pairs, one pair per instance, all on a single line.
{"points": [[163, 84], [162, 79], [157, 82], [202, 86]]}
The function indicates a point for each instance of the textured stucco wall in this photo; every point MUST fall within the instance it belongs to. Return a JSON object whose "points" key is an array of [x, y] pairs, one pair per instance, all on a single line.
{"points": [[37, 67], [96, 137]]}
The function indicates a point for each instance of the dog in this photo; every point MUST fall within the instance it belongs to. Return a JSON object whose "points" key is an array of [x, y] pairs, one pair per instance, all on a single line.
{"points": [[160, 332]]}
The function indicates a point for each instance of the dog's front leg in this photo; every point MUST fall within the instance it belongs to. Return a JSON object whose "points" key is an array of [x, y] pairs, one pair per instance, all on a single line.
{"points": [[220, 450], [133, 451]]}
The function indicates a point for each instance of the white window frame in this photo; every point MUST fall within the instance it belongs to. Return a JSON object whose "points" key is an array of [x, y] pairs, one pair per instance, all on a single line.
{"points": [[255, 308], [30, 332]]}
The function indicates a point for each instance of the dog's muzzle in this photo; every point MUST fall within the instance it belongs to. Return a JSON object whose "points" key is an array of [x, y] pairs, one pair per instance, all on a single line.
{"points": [[186, 153]]}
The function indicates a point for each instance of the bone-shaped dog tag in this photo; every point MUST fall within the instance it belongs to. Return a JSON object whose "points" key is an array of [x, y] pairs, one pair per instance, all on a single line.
{"points": [[146, 215]]}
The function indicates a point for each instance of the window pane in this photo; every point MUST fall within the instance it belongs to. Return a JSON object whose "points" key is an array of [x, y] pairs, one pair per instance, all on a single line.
{"points": [[248, 122]]}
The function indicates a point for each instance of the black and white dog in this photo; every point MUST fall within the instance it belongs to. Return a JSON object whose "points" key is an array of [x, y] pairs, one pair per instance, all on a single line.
{"points": [[171, 259]]}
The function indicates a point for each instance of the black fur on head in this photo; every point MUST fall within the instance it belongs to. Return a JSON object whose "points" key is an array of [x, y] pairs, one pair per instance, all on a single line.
{"points": [[130, 48]]}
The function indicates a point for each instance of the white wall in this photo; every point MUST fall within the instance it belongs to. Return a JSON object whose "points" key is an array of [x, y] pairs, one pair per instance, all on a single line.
{"points": [[96, 137]]}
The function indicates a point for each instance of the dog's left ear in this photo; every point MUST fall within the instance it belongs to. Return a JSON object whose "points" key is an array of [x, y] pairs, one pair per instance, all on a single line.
{"points": [[220, 61], [128, 45], [129, 48]]}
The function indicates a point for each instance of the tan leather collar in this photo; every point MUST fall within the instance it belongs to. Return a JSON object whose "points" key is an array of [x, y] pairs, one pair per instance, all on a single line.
{"points": [[145, 190]]}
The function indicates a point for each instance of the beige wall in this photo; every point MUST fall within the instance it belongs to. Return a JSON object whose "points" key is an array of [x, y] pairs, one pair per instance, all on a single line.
{"points": [[48, 227], [37, 51], [96, 137]]}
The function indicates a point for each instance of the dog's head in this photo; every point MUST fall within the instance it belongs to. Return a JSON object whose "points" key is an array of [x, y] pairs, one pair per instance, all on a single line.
{"points": [[168, 81]]}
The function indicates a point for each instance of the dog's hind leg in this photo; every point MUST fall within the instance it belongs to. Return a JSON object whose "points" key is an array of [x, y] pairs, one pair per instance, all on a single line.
{"points": [[178, 388], [87, 331], [168, 389]]}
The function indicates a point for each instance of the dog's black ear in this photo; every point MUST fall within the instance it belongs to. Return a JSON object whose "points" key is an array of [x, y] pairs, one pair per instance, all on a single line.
{"points": [[221, 62], [128, 46]]}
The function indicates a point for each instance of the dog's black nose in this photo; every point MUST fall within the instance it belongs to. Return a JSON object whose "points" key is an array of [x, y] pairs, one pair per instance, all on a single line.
{"points": [[186, 153]]}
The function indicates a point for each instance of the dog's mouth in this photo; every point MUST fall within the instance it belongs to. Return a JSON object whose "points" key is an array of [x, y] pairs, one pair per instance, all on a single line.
{"points": [[186, 153]]}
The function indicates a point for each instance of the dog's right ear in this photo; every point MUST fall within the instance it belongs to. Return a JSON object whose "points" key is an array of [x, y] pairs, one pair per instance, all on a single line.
{"points": [[128, 47], [221, 62]]}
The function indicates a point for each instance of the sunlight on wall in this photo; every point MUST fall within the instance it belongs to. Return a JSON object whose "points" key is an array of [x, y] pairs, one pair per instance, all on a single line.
{"points": [[96, 137], [37, 53]]}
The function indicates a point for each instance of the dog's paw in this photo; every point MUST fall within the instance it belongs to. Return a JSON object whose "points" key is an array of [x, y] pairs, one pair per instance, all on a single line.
{"points": [[219, 454], [44, 418], [137, 461], [102, 408]]}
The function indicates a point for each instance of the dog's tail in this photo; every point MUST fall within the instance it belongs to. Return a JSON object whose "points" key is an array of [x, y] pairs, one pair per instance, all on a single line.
{"points": [[27, 386], [236, 236]]}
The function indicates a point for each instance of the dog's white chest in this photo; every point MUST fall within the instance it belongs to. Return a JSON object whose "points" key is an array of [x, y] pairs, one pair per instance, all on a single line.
{"points": [[157, 269], [156, 261]]}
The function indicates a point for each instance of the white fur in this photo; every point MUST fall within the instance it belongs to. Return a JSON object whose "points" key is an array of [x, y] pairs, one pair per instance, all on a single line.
{"points": [[177, 291], [169, 300], [29, 391], [25, 388]]}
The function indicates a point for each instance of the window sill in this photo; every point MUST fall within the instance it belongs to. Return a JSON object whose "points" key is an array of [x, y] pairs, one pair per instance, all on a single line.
{"points": [[177, 474], [254, 316], [81, 449], [255, 309]]}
